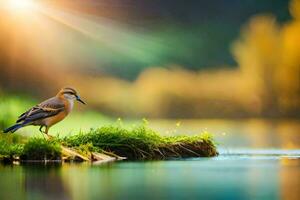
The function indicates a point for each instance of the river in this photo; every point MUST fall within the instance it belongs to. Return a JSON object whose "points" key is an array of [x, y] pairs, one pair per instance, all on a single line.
{"points": [[259, 159]]}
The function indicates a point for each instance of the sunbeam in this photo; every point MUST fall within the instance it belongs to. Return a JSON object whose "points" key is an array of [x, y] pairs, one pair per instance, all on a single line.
{"points": [[76, 39], [110, 34]]}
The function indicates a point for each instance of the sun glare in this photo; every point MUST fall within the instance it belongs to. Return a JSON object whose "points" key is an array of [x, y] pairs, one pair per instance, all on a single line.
{"points": [[21, 5]]}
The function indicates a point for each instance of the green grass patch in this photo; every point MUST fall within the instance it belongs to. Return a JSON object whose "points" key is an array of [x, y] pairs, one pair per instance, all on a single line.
{"points": [[137, 143], [142, 143], [13, 146], [41, 149], [10, 146]]}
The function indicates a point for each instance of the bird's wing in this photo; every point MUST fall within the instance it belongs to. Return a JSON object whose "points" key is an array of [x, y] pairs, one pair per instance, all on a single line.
{"points": [[43, 110]]}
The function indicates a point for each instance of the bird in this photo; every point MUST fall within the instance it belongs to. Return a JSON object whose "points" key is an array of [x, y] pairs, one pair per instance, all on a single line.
{"points": [[48, 112]]}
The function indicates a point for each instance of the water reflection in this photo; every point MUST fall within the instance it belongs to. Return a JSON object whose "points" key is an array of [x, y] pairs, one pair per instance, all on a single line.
{"points": [[290, 178], [44, 182], [218, 178]]}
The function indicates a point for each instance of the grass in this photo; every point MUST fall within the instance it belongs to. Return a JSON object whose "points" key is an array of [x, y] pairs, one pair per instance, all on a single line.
{"points": [[142, 143], [41, 149], [137, 143], [10, 146], [13, 146]]}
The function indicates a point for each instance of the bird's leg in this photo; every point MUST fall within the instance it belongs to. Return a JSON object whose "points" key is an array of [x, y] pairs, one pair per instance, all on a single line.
{"points": [[46, 132], [41, 127]]}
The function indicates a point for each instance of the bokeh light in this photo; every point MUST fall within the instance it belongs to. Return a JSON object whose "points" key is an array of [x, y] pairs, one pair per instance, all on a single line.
{"points": [[20, 5]]}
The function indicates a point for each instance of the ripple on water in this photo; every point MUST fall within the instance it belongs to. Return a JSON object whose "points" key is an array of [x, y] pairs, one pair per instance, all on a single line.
{"points": [[259, 154]]}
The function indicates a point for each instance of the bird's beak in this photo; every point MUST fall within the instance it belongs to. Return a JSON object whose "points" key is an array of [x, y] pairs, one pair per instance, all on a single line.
{"points": [[78, 99]]}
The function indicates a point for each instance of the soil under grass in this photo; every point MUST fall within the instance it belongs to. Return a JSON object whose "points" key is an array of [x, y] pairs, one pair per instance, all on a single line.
{"points": [[140, 143]]}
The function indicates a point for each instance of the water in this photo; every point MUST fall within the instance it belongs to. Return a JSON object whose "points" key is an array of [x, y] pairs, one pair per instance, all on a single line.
{"points": [[258, 160]]}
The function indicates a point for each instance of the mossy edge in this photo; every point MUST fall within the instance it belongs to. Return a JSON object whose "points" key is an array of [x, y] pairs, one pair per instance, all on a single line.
{"points": [[139, 143]]}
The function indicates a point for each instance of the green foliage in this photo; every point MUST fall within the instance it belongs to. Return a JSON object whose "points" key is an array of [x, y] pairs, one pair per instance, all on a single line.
{"points": [[137, 143], [141, 142], [41, 149], [203, 137], [11, 107], [117, 139], [86, 149], [10, 145]]}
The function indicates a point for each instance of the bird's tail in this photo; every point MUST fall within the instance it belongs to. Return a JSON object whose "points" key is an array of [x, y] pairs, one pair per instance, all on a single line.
{"points": [[13, 128]]}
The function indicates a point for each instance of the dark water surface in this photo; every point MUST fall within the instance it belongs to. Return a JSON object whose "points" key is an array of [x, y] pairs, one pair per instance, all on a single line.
{"points": [[258, 160]]}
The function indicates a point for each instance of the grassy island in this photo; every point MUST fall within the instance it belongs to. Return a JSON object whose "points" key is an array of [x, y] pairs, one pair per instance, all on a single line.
{"points": [[139, 143]]}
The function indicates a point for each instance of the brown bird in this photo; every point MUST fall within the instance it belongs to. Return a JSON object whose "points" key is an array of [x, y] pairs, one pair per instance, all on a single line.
{"points": [[49, 112]]}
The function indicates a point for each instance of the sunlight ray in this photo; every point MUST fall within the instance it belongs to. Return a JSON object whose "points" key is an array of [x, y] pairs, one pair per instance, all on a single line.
{"points": [[112, 35]]}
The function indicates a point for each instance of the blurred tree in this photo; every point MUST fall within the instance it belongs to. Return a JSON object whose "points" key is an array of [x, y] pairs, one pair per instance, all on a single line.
{"points": [[269, 58], [258, 53], [288, 75]]}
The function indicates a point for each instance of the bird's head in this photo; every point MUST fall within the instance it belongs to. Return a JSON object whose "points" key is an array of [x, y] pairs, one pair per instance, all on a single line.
{"points": [[70, 94]]}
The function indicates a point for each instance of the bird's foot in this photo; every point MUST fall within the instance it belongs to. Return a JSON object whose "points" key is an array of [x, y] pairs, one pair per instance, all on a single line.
{"points": [[49, 137]]}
